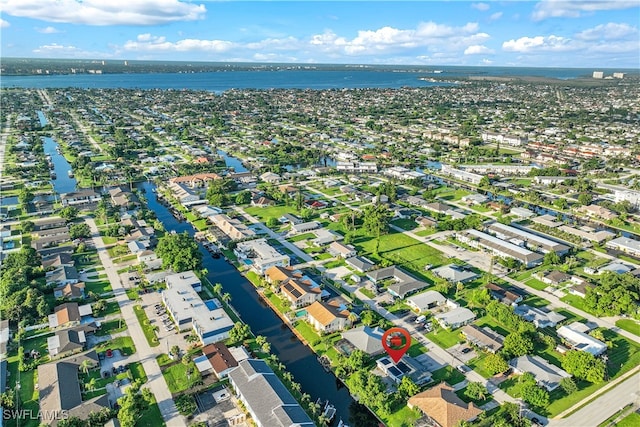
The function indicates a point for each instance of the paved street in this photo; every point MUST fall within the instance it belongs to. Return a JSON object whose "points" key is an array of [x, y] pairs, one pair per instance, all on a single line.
{"points": [[146, 354]]}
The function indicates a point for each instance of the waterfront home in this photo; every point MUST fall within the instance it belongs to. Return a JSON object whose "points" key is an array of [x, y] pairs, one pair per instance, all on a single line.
{"points": [[547, 375], [364, 338], [80, 198], [264, 396], [196, 181], [300, 293], [259, 255], [278, 274], [216, 359], [207, 319], [327, 317], [442, 407], [232, 227], [270, 177], [405, 367]]}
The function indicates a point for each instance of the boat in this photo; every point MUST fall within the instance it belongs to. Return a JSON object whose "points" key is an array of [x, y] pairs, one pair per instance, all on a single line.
{"points": [[342, 424], [329, 411], [53, 175], [70, 173]]}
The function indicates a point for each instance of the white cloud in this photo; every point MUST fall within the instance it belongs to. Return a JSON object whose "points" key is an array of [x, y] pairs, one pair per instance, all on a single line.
{"points": [[150, 43], [486, 61], [4, 24], [610, 31], [480, 6], [576, 8], [495, 16], [48, 30], [478, 49], [539, 44], [100, 12]]}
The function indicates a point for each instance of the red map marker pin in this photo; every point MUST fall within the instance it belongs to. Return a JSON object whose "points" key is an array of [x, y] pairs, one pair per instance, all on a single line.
{"points": [[396, 342]]}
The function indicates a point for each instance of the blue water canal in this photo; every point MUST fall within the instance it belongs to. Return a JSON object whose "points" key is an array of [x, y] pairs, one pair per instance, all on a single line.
{"points": [[298, 358]]}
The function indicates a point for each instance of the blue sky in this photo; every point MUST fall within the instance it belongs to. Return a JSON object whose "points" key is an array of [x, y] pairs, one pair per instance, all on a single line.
{"points": [[552, 33]]}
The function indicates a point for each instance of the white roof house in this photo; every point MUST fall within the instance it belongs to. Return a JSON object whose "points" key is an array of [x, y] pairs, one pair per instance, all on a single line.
{"points": [[365, 338], [454, 273], [208, 320], [581, 341], [260, 255], [540, 318], [425, 300], [455, 318], [546, 374]]}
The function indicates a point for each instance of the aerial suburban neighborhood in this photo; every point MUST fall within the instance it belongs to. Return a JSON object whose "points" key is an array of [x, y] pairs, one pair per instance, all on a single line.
{"points": [[184, 257]]}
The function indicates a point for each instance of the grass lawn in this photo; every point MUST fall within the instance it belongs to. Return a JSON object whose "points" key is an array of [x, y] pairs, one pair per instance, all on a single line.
{"points": [[574, 301], [403, 417], [97, 286], [263, 213], [137, 372], [535, 283], [282, 305], [151, 417], [28, 394], [111, 308], [448, 374], [402, 250], [118, 251], [124, 344], [307, 332], [426, 232], [108, 240], [367, 292], [147, 328], [631, 420], [416, 349], [177, 378], [445, 338], [405, 224], [629, 325], [111, 327], [299, 237]]}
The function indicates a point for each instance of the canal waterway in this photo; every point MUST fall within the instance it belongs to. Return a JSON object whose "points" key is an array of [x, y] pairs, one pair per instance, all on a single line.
{"points": [[298, 358], [62, 182], [232, 162]]}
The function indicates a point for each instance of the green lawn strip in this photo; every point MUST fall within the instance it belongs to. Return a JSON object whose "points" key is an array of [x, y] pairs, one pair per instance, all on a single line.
{"points": [[467, 399], [111, 308], [137, 372], [28, 395], [151, 417], [177, 378], [146, 326], [629, 325], [111, 327], [445, 338], [108, 240], [124, 344], [416, 349], [631, 420], [402, 417], [575, 301], [99, 287], [426, 232], [405, 224], [263, 213], [448, 374], [299, 237], [132, 294], [281, 304], [307, 332], [367, 292]]}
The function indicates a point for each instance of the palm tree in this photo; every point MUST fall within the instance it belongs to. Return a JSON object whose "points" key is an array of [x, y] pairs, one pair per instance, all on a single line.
{"points": [[91, 385], [305, 397], [217, 288], [85, 365], [226, 297], [266, 347], [296, 386]]}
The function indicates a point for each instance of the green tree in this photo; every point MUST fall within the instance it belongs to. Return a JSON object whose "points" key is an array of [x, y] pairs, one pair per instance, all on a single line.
{"points": [[217, 288], [132, 404], [517, 344], [79, 231], [239, 332], [568, 385], [175, 351], [272, 222], [69, 213], [551, 258], [376, 221], [407, 388], [495, 364], [584, 366], [535, 396], [179, 252], [476, 391], [25, 196], [27, 226], [585, 199]]}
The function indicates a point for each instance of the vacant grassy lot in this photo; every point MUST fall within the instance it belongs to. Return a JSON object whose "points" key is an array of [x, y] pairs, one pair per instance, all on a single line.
{"points": [[180, 377], [264, 213], [445, 338], [147, 328]]}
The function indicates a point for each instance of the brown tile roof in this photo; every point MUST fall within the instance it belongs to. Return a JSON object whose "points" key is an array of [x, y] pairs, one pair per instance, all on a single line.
{"points": [[277, 273], [220, 357], [325, 313], [67, 313], [441, 404]]}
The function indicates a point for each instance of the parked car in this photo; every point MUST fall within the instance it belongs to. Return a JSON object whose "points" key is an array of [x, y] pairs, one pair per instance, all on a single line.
{"points": [[421, 319], [465, 350], [463, 368]]}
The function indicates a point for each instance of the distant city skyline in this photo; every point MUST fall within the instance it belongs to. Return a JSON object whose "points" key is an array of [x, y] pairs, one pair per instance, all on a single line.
{"points": [[552, 33]]}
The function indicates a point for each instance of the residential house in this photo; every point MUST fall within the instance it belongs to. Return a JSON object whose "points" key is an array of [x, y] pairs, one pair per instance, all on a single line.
{"points": [[289, 218], [596, 211], [69, 314], [70, 291], [360, 263], [456, 317], [270, 177], [576, 337], [196, 181], [405, 367], [278, 274], [554, 277], [426, 300], [404, 283], [67, 342], [207, 319], [484, 338], [260, 255], [216, 359], [5, 336], [442, 407], [626, 245], [264, 396], [262, 202], [500, 247], [454, 273], [60, 391], [327, 317], [337, 249], [506, 295], [233, 228], [57, 260], [521, 237], [539, 317], [304, 227], [300, 293], [580, 289], [366, 339], [80, 198], [48, 223], [546, 374], [62, 275]]}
